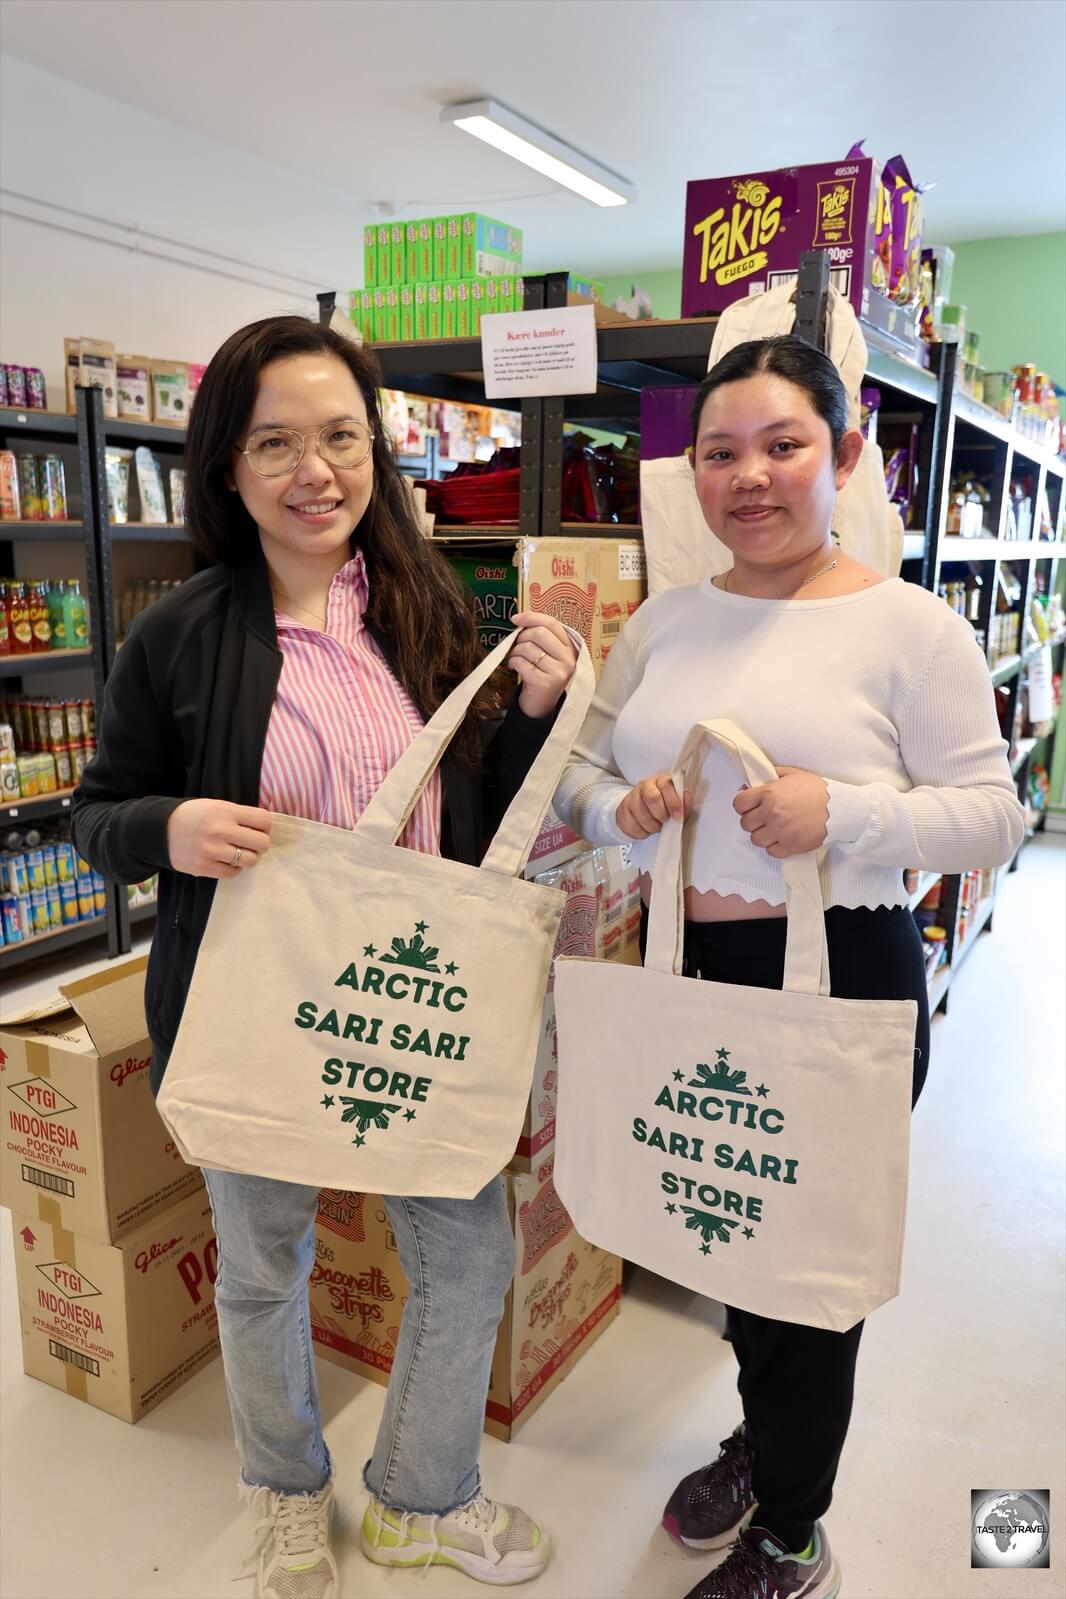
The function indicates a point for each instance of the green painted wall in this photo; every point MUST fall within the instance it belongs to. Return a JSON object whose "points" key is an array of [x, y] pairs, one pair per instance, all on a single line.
{"points": [[1015, 290]]}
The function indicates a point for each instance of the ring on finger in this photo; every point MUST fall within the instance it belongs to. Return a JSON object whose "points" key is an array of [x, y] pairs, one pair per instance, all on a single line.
{"points": [[540, 657], [237, 855]]}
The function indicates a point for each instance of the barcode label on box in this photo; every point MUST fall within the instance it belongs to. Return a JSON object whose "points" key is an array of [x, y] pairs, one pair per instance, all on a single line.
{"points": [[839, 277], [74, 1357], [632, 562], [49, 1180]]}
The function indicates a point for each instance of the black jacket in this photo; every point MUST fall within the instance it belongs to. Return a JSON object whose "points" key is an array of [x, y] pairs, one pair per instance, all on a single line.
{"points": [[185, 716]]}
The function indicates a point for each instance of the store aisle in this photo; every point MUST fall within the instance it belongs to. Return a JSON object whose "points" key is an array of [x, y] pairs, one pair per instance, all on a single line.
{"points": [[960, 1379]]}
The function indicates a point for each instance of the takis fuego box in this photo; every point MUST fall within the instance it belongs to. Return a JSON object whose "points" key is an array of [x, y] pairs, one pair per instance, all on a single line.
{"points": [[84, 1147], [746, 234], [565, 1292], [119, 1326]]}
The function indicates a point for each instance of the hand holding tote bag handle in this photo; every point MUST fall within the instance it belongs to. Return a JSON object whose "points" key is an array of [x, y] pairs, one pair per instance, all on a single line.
{"points": [[363, 1016], [751, 1144]]}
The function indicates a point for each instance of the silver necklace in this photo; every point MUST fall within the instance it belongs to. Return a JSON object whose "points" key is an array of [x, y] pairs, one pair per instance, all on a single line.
{"points": [[814, 575]]}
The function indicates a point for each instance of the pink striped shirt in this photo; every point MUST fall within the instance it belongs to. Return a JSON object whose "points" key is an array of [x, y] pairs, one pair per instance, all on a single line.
{"points": [[340, 720]]}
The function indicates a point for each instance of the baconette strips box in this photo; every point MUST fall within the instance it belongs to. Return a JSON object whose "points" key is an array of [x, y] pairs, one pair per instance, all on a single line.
{"points": [[84, 1148], [564, 1293], [119, 1326], [601, 921]]}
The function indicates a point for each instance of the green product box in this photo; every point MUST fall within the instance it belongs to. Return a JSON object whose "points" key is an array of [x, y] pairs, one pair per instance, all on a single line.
{"points": [[490, 303], [421, 308], [493, 582], [587, 288], [392, 317], [377, 313], [489, 249], [407, 313], [420, 251], [434, 311], [440, 249], [505, 294], [398, 253], [477, 301], [384, 254], [370, 257], [463, 312], [453, 260], [449, 312], [364, 316]]}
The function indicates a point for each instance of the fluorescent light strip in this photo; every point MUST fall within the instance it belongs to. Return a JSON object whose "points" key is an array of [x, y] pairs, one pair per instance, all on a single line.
{"points": [[497, 126]]}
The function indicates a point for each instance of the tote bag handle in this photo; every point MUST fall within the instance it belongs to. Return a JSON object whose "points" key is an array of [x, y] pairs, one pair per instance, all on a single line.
{"points": [[806, 950], [390, 809]]}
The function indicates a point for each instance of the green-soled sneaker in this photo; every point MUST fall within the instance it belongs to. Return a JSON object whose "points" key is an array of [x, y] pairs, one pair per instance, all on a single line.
{"points": [[497, 1544]]}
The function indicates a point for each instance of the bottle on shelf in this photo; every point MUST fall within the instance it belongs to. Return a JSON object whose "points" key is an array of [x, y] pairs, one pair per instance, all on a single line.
{"points": [[75, 616]]}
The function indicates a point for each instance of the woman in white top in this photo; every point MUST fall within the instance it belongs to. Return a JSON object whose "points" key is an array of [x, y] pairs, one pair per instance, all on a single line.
{"points": [[874, 702]]}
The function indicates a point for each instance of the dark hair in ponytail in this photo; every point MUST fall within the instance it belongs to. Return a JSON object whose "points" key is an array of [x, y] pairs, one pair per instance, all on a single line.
{"points": [[788, 357], [417, 607]]}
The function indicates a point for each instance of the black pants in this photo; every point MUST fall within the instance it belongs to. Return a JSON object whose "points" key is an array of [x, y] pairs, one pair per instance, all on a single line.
{"points": [[796, 1383]]}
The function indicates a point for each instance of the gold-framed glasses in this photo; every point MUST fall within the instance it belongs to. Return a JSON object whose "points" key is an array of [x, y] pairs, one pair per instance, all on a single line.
{"points": [[271, 452]]}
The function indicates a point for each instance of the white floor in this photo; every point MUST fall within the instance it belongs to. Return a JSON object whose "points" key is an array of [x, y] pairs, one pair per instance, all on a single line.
{"points": [[960, 1379]]}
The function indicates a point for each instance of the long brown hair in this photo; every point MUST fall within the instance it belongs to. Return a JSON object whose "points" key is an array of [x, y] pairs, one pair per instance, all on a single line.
{"points": [[417, 608]]}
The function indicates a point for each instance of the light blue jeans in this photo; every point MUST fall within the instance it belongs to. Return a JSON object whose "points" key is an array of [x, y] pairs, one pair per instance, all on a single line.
{"points": [[458, 1256]]}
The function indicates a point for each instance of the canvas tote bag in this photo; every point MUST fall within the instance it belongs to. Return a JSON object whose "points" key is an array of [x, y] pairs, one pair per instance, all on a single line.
{"points": [[362, 1016], [751, 1144]]}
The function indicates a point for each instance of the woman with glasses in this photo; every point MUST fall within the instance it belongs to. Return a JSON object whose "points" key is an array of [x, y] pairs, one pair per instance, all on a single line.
{"points": [[289, 677]]}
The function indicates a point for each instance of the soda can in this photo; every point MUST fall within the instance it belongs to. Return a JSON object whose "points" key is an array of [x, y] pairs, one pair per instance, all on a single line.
{"points": [[36, 392], [65, 866], [35, 869], [29, 489], [64, 767], [55, 907], [10, 792], [53, 489], [88, 718], [57, 724], [11, 918], [72, 716], [99, 894], [81, 866], [86, 903], [38, 911], [51, 870], [40, 724], [16, 385], [68, 901], [7, 739]]}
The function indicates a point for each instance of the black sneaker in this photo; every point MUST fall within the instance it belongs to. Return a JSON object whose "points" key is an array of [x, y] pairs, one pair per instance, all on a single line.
{"points": [[709, 1507], [761, 1568]]}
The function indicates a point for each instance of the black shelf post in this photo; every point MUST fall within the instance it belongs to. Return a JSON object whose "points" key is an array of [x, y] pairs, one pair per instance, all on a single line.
{"points": [[540, 487]]}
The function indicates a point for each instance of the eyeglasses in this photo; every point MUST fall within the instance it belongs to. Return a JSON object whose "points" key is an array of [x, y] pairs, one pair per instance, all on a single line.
{"points": [[272, 452]]}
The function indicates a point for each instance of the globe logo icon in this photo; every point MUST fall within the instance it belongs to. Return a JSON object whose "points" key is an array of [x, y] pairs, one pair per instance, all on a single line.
{"points": [[1010, 1529]]}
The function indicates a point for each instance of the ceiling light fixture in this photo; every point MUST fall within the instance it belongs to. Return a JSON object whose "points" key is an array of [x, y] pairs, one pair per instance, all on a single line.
{"points": [[507, 131]]}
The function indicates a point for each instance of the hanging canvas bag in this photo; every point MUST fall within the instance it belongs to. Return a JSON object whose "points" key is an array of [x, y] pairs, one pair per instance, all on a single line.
{"points": [[749, 1143], [363, 1016]]}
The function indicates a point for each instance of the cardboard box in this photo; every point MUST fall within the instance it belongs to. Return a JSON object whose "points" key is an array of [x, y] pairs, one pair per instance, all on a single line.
{"points": [[407, 312], [565, 1292], [84, 1148], [434, 310], [493, 583], [593, 585], [367, 317], [420, 251], [449, 310], [440, 249], [119, 1326], [601, 921], [384, 255], [421, 311], [746, 234]]}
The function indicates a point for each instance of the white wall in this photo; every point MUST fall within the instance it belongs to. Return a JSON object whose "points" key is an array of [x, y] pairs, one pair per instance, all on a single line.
{"points": [[62, 146]]}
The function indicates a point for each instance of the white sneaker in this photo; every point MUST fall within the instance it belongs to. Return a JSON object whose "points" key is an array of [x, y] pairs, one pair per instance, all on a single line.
{"points": [[292, 1557], [492, 1543]]}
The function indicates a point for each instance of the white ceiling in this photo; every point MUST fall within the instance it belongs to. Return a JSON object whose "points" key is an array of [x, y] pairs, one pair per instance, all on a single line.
{"points": [[347, 94]]}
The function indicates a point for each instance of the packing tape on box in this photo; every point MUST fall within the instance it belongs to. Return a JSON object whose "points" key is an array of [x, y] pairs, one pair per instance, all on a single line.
{"points": [[65, 1248]]}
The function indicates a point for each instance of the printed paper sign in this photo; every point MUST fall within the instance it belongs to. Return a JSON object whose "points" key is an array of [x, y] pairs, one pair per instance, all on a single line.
{"points": [[539, 352]]}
